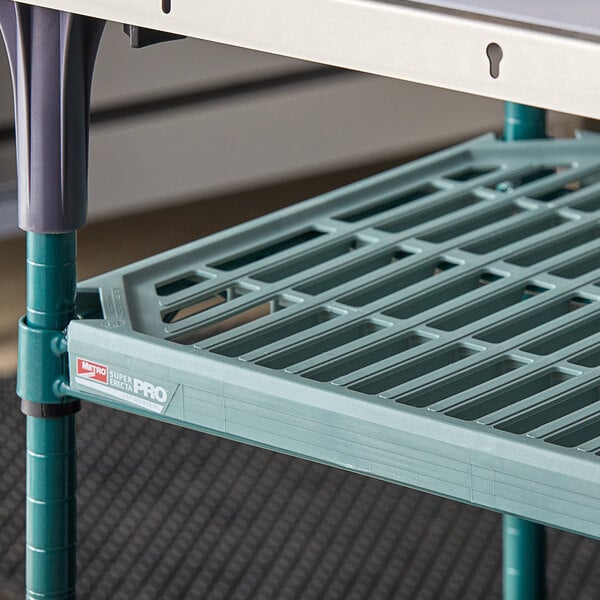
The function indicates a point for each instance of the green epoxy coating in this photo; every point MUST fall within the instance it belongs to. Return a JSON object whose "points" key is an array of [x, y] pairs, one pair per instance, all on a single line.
{"points": [[524, 542], [51, 523], [51, 535], [523, 122], [51, 279], [523, 559]]}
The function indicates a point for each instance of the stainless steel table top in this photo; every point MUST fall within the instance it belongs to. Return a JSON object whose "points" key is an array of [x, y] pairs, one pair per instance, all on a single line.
{"points": [[575, 17], [550, 49]]}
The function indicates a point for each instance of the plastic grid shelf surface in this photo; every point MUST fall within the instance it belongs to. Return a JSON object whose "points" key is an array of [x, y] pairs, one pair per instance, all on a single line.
{"points": [[436, 325]]}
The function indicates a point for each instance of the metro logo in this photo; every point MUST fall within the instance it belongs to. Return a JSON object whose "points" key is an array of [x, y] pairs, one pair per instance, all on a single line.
{"points": [[92, 370]]}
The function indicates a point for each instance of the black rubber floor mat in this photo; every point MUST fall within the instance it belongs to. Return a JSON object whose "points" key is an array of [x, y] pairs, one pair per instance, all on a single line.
{"points": [[166, 513]]}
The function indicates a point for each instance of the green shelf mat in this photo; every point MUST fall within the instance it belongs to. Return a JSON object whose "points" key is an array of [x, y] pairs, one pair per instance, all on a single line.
{"points": [[435, 326]]}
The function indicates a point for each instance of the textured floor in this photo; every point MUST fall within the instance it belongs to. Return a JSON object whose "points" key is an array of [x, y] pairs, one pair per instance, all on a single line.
{"points": [[169, 513]]}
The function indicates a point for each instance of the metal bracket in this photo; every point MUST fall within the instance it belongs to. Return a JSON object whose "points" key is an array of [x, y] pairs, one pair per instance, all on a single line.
{"points": [[141, 37], [42, 370]]}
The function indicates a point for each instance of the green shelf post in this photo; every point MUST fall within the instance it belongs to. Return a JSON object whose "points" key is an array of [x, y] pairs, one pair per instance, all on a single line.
{"points": [[51, 55], [524, 542], [51, 513], [523, 122], [523, 559]]}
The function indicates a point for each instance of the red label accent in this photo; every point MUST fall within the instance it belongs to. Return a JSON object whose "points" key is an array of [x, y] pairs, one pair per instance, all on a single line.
{"points": [[92, 370]]}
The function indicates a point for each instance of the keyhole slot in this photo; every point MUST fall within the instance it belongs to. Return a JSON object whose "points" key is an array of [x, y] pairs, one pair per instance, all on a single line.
{"points": [[494, 54], [166, 6]]}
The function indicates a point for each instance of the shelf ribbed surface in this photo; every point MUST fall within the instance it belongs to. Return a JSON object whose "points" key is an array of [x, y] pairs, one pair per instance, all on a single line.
{"points": [[436, 326]]}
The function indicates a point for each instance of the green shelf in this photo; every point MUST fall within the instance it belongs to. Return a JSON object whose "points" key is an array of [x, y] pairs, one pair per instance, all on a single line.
{"points": [[436, 326]]}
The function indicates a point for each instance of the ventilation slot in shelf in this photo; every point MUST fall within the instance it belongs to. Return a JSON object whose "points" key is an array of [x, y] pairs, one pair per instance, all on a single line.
{"points": [[487, 307], [312, 259], [391, 285], [589, 204], [568, 188], [205, 302], [514, 183], [579, 267], [347, 273], [320, 344], [180, 283], [530, 320], [588, 359], [452, 386], [479, 407], [274, 333], [554, 247], [469, 173], [550, 411], [414, 369], [227, 323], [565, 337], [388, 203], [490, 217], [439, 295], [441, 209], [260, 252], [516, 233], [374, 353], [578, 435]]}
